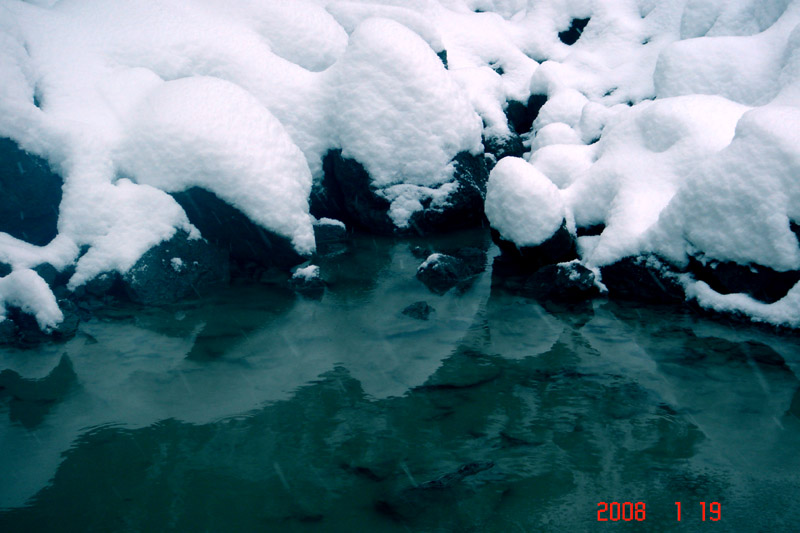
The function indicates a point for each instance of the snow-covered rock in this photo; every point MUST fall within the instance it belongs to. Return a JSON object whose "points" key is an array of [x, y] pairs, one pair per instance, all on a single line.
{"points": [[626, 131]]}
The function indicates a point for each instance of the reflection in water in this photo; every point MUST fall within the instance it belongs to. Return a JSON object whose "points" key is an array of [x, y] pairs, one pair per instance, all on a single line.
{"points": [[257, 410]]}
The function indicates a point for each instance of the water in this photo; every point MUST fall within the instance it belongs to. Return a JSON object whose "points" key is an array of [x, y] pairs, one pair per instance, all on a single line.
{"points": [[252, 409]]}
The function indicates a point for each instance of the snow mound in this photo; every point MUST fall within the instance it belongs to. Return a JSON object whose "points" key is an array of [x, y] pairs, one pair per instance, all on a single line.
{"points": [[210, 133], [27, 291], [522, 204]]}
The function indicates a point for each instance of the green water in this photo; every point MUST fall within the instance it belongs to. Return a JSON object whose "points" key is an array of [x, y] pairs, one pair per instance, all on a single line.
{"points": [[253, 409]]}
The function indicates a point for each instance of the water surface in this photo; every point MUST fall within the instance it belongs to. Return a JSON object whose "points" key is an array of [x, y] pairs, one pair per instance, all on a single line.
{"points": [[254, 409]]}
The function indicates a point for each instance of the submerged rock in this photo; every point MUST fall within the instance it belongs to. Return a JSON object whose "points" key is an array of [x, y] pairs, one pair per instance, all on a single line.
{"points": [[229, 229], [30, 195], [347, 193], [642, 278], [419, 310], [175, 269]]}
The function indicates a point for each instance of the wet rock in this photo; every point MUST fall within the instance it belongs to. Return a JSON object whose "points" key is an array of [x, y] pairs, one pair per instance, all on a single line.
{"points": [[229, 229], [442, 272], [176, 269], [571, 35], [464, 206], [330, 236], [642, 278], [5, 269], [762, 283], [30, 195], [418, 310], [569, 282], [522, 114], [561, 247], [22, 330], [308, 282], [346, 193]]}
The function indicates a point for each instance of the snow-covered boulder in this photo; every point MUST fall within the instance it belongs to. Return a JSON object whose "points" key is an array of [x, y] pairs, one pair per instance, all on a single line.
{"points": [[410, 156], [527, 215]]}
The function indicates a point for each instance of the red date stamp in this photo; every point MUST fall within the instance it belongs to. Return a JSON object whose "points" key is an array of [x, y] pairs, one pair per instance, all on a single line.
{"points": [[637, 511]]}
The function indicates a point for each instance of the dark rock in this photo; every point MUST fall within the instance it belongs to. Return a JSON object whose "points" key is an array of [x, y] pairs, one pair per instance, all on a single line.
{"points": [[560, 248], [521, 115], [21, 329], [47, 272], [418, 310], [762, 283], [5, 269], [105, 284], [643, 279], [347, 193], [571, 282], [231, 230], [421, 252], [443, 57], [8, 331], [497, 148], [175, 269], [464, 207], [591, 231], [330, 237], [571, 35], [30, 195], [442, 272], [68, 327], [307, 282]]}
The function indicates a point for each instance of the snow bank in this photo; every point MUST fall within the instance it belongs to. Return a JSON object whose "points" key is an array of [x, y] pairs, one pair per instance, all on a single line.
{"points": [[672, 126]]}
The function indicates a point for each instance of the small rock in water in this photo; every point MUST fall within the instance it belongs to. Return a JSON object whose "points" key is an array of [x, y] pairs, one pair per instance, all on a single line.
{"points": [[563, 282], [441, 272], [330, 236], [307, 282], [419, 310]]}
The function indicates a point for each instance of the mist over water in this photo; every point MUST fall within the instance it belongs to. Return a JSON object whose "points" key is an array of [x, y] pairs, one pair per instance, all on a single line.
{"points": [[254, 409]]}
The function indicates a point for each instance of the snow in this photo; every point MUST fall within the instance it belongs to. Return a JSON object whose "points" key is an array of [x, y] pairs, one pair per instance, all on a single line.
{"points": [[306, 273], [522, 204], [24, 289], [674, 124]]}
